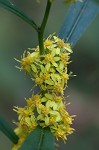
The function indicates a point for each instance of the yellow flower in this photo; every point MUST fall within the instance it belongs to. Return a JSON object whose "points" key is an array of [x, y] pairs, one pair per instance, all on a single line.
{"points": [[52, 120], [57, 98], [38, 80], [30, 102], [49, 72], [37, 102], [60, 133], [26, 61], [64, 56], [46, 76], [36, 97], [65, 76], [48, 58], [58, 88], [60, 44], [48, 43]]}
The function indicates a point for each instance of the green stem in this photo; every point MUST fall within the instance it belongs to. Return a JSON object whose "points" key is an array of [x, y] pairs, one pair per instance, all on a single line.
{"points": [[42, 27]]}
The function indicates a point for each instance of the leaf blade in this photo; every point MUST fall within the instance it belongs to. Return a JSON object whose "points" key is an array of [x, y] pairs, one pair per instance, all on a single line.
{"points": [[31, 143], [48, 140], [37, 140], [17, 11], [8, 131], [79, 17]]}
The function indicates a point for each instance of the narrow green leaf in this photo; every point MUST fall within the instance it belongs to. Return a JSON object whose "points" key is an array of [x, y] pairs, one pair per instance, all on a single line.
{"points": [[79, 17], [48, 140], [8, 131], [34, 139], [39, 139], [17, 11]]}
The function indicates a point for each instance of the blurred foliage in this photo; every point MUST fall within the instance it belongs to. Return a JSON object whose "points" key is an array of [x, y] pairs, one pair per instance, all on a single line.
{"points": [[15, 37], [78, 19]]}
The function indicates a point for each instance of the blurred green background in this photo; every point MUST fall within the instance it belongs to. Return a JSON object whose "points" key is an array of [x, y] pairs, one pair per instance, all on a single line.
{"points": [[15, 37]]}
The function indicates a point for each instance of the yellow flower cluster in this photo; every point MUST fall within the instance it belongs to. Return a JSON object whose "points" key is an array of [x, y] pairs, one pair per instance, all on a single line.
{"points": [[49, 71]]}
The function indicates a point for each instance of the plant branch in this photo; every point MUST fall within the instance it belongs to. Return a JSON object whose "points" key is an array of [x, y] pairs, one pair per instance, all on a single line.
{"points": [[42, 27]]}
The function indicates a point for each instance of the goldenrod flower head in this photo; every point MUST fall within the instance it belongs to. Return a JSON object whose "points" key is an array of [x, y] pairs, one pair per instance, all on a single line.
{"points": [[49, 110], [48, 58], [49, 71], [47, 42], [46, 76], [64, 57], [38, 80], [58, 88], [58, 98]]}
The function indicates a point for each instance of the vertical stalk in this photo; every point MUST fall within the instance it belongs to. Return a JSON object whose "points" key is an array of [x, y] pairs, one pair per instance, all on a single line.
{"points": [[42, 27]]}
